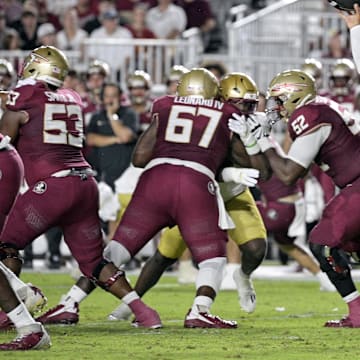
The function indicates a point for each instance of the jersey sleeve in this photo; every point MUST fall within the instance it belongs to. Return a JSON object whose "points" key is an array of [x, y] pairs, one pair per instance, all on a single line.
{"points": [[19, 98], [305, 148]]}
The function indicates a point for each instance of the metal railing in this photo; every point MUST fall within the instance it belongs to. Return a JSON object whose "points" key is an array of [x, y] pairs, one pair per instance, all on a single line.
{"points": [[156, 56], [280, 36]]}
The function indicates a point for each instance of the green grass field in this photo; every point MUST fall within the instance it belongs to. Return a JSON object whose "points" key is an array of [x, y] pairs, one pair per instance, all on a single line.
{"points": [[287, 324]]}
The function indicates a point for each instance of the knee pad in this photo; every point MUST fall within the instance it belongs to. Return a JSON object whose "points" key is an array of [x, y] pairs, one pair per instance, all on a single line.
{"points": [[106, 285], [211, 273], [116, 253], [332, 261], [9, 251]]}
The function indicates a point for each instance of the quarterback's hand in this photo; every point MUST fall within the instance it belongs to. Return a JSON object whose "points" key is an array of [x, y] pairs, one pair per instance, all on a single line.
{"points": [[245, 176]]}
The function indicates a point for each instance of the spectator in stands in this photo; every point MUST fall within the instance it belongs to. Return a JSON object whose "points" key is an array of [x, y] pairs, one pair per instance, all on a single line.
{"points": [[46, 35], [4, 31], [27, 28], [166, 20], [116, 57], [199, 14], [126, 7], [102, 7], [45, 16], [86, 11], [72, 36], [137, 25], [12, 9], [58, 7]]}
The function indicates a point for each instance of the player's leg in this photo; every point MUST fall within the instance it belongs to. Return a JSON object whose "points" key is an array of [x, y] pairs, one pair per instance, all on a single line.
{"points": [[31, 334], [336, 231], [304, 259], [197, 215], [170, 248], [250, 236]]}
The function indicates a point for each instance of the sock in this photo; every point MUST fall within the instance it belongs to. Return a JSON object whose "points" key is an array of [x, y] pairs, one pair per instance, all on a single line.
{"points": [[201, 304], [353, 302], [134, 302], [20, 316], [130, 297], [17, 285], [75, 295]]}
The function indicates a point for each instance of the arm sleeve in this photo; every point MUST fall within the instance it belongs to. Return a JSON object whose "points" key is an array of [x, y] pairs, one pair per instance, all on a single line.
{"points": [[355, 45], [312, 142]]}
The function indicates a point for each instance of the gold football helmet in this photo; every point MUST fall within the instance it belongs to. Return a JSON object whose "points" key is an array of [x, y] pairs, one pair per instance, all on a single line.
{"points": [[139, 79], [314, 68], [98, 67], [198, 82], [46, 63], [342, 76], [239, 89], [175, 73], [7, 74], [287, 91]]}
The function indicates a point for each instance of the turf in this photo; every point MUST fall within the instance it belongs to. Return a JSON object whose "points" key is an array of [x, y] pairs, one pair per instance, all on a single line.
{"points": [[287, 324]]}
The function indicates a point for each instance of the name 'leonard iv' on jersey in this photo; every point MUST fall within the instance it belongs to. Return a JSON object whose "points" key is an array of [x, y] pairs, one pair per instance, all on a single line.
{"points": [[192, 129]]}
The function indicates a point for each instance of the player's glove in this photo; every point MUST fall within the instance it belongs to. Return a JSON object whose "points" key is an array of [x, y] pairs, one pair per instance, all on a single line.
{"points": [[237, 124], [260, 128], [245, 176]]}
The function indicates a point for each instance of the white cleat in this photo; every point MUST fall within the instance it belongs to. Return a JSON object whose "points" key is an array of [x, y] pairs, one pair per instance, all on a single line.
{"points": [[246, 291], [121, 313], [325, 284]]}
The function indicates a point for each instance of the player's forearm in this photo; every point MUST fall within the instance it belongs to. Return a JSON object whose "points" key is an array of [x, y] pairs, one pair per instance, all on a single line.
{"points": [[355, 45]]}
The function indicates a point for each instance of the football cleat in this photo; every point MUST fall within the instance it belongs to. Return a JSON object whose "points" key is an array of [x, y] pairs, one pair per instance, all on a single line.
{"points": [[34, 299], [60, 315], [148, 318], [345, 322], [206, 320], [31, 337], [122, 312], [5, 322], [246, 291]]}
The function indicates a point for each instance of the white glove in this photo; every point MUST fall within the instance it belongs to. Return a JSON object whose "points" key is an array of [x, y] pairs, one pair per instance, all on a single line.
{"points": [[245, 176], [237, 124], [260, 128]]}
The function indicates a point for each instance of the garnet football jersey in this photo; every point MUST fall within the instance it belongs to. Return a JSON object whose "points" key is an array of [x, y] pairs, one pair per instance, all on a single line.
{"points": [[340, 148], [52, 138], [192, 129]]}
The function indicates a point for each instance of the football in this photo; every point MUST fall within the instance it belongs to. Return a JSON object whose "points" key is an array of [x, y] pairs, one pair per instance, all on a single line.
{"points": [[346, 5]]}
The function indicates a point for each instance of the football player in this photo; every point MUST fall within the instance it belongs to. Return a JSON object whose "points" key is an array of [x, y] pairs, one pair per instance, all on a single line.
{"points": [[31, 334], [341, 83], [197, 91], [47, 123], [320, 133], [172, 79], [249, 233], [179, 145]]}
